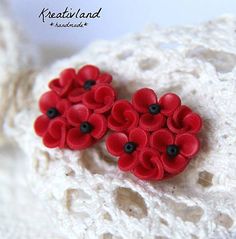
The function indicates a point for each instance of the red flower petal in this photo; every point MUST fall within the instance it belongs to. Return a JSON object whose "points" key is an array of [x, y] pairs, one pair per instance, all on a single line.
{"points": [[123, 116], [66, 74], [104, 78], [188, 144], [41, 125], [143, 98], [100, 98], [151, 122], [56, 134], [57, 130], [50, 142], [115, 143], [118, 109], [131, 119], [76, 95], [146, 155], [169, 103], [115, 125], [88, 99], [192, 123], [173, 127], [106, 95], [180, 113], [62, 106], [138, 136], [87, 72], [174, 165], [130, 123], [77, 114], [77, 140], [99, 124], [62, 85], [150, 165], [127, 162], [55, 127], [161, 139], [48, 100], [175, 123]]}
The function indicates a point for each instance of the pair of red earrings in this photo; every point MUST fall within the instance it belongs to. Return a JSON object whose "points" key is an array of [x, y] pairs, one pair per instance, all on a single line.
{"points": [[153, 138]]}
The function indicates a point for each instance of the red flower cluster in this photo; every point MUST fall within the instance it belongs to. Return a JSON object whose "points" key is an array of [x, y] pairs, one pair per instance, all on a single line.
{"points": [[73, 112], [155, 138]]}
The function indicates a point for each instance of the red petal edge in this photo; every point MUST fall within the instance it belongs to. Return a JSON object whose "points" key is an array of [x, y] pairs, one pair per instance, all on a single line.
{"points": [[143, 98], [115, 143]]}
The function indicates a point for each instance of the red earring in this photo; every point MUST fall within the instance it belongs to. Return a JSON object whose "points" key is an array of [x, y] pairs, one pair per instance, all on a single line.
{"points": [[73, 112], [155, 138]]}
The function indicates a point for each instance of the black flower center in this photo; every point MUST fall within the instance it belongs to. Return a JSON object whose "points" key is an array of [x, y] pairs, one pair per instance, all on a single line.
{"points": [[130, 147], [172, 150], [52, 113], [86, 127], [154, 109], [88, 84]]}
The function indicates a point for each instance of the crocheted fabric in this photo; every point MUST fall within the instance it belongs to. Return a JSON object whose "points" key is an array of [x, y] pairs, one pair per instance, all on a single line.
{"points": [[16, 55], [86, 193], [22, 215]]}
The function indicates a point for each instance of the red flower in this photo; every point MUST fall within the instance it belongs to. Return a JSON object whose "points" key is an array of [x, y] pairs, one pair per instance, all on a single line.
{"points": [[87, 77], [52, 107], [153, 111], [176, 150], [100, 98], [64, 83], [184, 120], [123, 117], [149, 165], [126, 147], [87, 127], [56, 134]]}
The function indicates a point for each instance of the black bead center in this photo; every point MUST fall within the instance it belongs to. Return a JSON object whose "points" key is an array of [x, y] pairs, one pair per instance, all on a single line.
{"points": [[88, 84], [52, 113], [154, 109], [130, 147], [86, 127], [172, 150]]}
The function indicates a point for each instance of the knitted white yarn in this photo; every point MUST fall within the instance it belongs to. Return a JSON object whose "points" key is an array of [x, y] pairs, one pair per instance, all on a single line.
{"points": [[86, 193]]}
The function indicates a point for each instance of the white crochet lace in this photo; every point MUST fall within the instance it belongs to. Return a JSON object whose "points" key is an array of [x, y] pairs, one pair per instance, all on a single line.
{"points": [[22, 215], [16, 55], [86, 193]]}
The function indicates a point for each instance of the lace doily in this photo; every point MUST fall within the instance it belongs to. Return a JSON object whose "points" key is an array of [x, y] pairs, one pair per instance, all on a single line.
{"points": [[84, 191]]}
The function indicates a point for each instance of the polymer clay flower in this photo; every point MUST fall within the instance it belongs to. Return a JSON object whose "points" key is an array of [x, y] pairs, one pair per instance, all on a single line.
{"points": [[184, 120], [64, 83], [176, 150], [52, 107], [123, 116], [149, 166], [153, 111], [100, 98], [74, 84], [87, 77], [86, 128], [56, 134], [126, 147]]}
